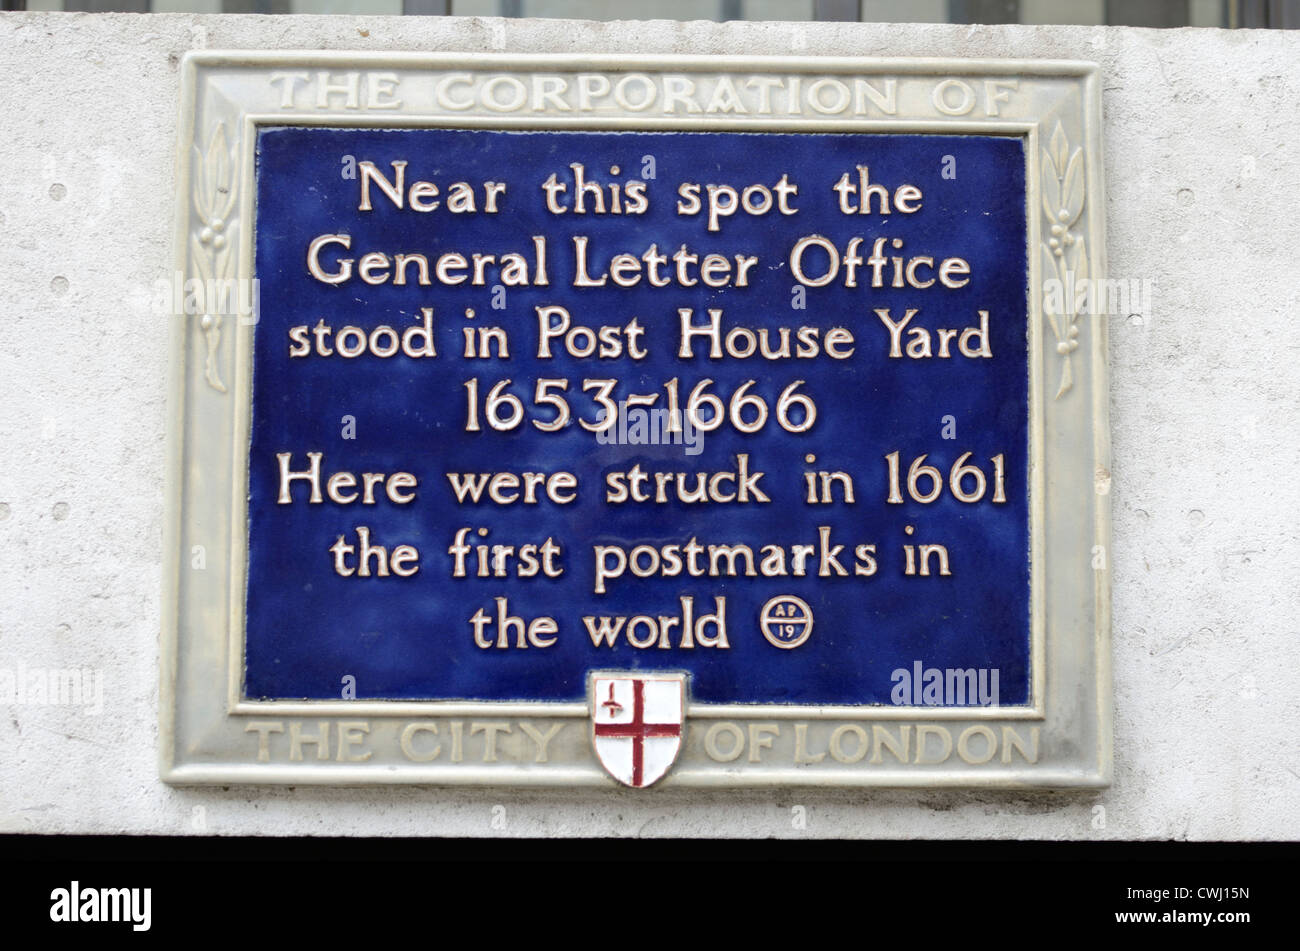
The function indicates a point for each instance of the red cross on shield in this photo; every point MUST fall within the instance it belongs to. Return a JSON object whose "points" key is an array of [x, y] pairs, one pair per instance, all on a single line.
{"points": [[636, 724]]}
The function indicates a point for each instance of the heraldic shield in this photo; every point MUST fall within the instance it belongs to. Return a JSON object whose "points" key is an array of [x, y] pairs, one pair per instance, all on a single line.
{"points": [[637, 723]]}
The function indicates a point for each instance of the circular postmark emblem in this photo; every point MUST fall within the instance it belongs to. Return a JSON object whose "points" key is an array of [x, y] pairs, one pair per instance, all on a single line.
{"points": [[786, 621]]}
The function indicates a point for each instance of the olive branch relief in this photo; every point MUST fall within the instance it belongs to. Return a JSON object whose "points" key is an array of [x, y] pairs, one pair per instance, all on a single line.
{"points": [[1065, 255], [212, 240]]}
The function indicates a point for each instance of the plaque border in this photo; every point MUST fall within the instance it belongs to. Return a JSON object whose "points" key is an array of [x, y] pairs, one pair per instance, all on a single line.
{"points": [[201, 740]]}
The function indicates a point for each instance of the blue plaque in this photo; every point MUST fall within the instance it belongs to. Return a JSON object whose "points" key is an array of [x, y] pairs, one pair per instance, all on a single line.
{"points": [[964, 397], [638, 420]]}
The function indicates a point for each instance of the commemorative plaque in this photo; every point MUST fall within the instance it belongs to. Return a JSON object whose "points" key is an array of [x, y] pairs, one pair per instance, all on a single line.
{"points": [[643, 421]]}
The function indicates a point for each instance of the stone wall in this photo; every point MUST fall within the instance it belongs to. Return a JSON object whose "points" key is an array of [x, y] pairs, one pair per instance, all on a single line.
{"points": [[1203, 182]]}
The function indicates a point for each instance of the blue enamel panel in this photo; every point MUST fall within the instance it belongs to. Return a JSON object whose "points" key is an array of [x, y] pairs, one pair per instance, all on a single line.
{"points": [[307, 628]]}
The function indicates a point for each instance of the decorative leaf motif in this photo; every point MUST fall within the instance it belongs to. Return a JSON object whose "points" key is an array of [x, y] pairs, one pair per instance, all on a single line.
{"points": [[1051, 189], [1050, 274], [212, 337], [201, 191], [199, 255], [1072, 190], [1065, 257], [212, 243], [224, 260], [1067, 380], [228, 205], [1060, 147], [1079, 260], [216, 163]]}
